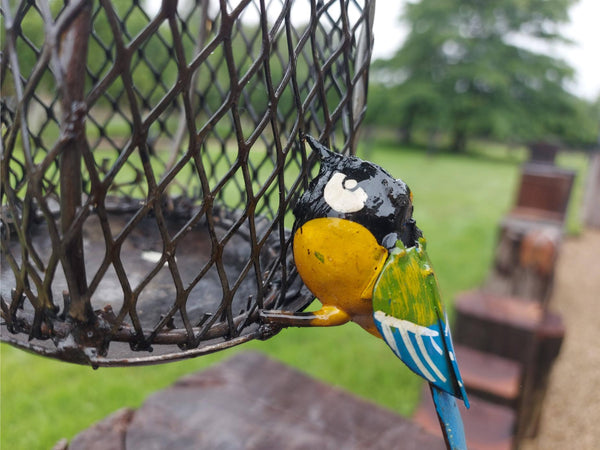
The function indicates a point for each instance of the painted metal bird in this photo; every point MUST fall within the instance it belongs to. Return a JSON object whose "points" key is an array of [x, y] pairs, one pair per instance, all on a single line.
{"points": [[357, 248]]}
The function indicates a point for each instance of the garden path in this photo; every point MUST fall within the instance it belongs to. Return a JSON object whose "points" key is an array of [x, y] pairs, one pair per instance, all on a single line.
{"points": [[571, 414]]}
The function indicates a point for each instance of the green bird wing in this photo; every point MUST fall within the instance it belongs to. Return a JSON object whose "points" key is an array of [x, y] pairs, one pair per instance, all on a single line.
{"points": [[407, 287], [408, 313]]}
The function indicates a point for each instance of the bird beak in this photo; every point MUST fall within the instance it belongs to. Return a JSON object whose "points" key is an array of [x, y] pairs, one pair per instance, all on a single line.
{"points": [[322, 152]]}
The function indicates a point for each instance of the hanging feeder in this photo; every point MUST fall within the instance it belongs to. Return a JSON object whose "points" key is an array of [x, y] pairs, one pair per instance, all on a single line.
{"points": [[150, 161]]}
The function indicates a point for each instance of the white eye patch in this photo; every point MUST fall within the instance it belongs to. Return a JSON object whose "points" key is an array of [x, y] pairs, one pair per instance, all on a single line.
{"points": [[344, 196]]}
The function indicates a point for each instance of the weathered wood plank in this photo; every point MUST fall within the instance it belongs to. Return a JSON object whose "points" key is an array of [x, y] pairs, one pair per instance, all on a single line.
{"points": [[252, 402], [549, 338], [489, 376], [525, 260], [503, 326], [544, 192], [106, 434]]}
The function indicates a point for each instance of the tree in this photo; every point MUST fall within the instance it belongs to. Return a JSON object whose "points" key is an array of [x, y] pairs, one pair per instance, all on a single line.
{"points": [[463, 69]]}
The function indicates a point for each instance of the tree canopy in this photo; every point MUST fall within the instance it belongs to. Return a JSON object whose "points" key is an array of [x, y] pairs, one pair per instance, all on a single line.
{"points": [[468, 68]]}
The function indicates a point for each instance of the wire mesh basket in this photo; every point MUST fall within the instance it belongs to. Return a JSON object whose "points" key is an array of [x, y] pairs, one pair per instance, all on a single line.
{"points": [[151, 154]]}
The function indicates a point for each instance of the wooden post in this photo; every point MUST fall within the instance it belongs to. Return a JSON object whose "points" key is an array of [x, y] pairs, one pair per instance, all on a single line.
{"points": [[542, 152], [549, 337], [591, 202], [520, 331]]}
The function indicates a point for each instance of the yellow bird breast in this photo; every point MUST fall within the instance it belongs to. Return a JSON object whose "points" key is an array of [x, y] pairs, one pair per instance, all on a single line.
{"points": [[339, 261]]}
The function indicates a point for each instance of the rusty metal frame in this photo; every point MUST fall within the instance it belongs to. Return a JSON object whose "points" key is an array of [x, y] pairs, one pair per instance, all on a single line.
{"points": [[215, 96]]}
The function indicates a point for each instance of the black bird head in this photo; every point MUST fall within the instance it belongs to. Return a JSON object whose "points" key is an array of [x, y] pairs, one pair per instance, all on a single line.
{"points": [[349, 188]]}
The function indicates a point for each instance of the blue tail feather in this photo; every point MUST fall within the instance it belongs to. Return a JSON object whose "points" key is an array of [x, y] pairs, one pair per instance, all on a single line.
{"points": [[450, 419]]}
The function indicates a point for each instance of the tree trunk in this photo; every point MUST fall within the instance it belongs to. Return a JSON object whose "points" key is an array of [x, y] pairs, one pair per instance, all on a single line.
{"points": [[406, 128], [459, 141], [406, 135]]}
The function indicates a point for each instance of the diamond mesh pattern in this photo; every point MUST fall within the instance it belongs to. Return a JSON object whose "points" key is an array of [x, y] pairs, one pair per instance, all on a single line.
{"points": [[151, 154]]}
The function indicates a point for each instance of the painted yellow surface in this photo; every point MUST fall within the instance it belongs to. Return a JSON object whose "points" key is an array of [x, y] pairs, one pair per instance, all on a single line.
{"points": [[339, 261]]}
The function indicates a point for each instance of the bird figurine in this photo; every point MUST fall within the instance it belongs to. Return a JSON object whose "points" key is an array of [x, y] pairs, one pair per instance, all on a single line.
{"points": [[358, 249]]}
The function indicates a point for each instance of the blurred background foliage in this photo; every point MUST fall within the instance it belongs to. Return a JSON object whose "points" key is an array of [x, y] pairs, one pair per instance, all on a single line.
{"points": [[467, 70]]}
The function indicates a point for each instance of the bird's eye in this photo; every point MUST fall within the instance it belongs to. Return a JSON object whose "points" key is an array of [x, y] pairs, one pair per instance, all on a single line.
{"points": [[350, 184], [343, 195]]}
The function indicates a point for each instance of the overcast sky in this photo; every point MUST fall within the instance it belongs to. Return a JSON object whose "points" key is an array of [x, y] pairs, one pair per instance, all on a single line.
{"points": [[583, 55]]}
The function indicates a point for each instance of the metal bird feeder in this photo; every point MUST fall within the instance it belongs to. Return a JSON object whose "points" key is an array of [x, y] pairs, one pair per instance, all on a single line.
{"points": [[151, 154]]}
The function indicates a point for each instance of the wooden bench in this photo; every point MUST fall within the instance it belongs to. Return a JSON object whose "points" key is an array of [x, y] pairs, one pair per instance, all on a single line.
{"points": [[525, 259], [530, 235], [543, 193], [490, 377], [522, 332]]}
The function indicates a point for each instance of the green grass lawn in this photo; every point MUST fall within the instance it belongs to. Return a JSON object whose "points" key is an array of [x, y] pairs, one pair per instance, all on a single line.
{"points": [[458, 200]]}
